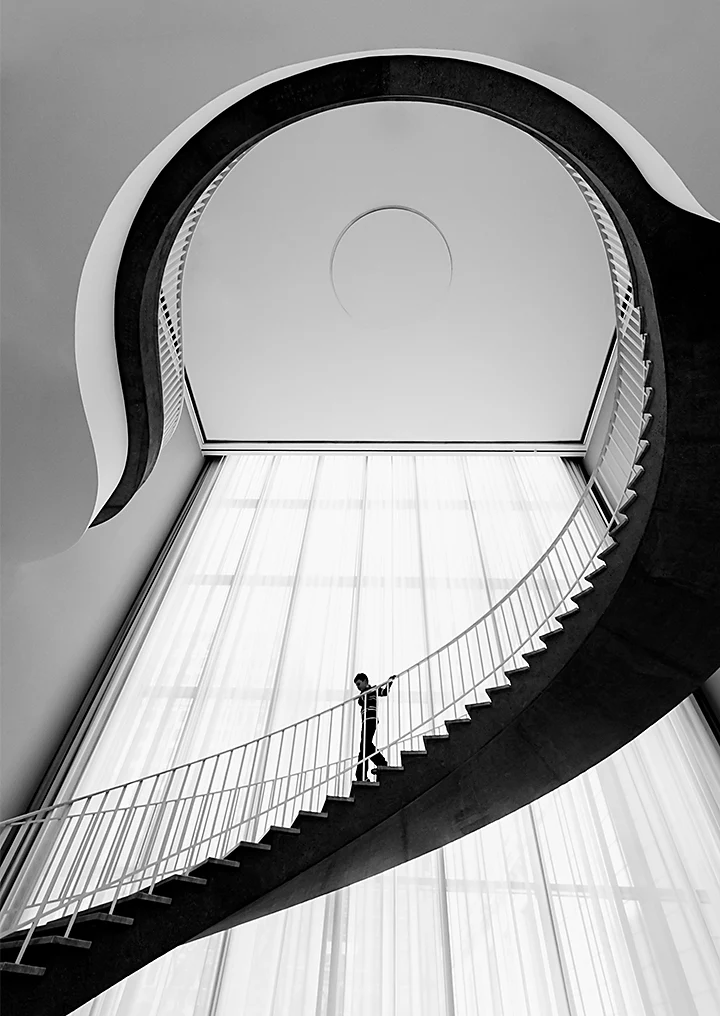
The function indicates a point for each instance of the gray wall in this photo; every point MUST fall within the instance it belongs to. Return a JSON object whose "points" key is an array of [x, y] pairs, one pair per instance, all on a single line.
{"points": [[60, 616]]}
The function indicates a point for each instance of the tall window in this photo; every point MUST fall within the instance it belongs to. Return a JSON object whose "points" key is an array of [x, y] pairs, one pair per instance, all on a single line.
{"points": [[600, 899]]}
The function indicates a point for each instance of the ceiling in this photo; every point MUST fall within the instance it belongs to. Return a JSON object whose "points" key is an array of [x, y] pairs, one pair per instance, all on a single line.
{"points": [[396, 273]]}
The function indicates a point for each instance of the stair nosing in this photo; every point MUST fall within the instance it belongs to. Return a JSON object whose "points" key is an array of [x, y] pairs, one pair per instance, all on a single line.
{"points": [[74, 943], [21, 968]]}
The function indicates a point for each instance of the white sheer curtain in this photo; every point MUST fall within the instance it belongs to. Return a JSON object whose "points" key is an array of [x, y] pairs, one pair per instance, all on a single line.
{"points": [[600, 900]]}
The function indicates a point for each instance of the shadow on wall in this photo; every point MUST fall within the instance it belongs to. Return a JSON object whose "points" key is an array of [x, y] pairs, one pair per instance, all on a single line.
{"points": [[49, 474], [61, 614]]}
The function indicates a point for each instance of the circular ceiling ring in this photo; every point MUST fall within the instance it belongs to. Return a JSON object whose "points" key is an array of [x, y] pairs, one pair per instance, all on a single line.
{"points": [[372, 211]]}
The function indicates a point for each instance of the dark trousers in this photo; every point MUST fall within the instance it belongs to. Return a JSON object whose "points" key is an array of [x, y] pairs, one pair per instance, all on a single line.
{"points": [[367, 750]]}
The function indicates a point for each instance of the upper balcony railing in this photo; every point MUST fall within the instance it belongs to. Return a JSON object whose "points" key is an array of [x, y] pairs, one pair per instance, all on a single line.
{"points": [[170, 337], [98, 847]]}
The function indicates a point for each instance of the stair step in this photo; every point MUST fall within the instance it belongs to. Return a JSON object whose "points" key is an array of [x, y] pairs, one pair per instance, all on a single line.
{"points": [[409, 757], [433, 738], [105, 919], [477, 707], [529, 653], [643, 446], [188, 879], [334, 799], [363, 785], [412, 753], [566, 613], [282, 829], [174, 884], [72, 943], [98, 915], [21, 968], [387, 769], [217, 862], [246, 847], [143, 897], [619, 522], [309, 816], [460, 721], [515, 672], [276, 835], [548, 636], [500, 689]]}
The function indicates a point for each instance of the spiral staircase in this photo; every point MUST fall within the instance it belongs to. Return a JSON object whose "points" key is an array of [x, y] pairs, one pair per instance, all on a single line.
{"points": [[615, 624]]}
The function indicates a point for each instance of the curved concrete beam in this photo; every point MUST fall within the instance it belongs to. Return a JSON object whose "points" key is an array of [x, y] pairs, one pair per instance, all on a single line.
{"points": [[123, 467]]}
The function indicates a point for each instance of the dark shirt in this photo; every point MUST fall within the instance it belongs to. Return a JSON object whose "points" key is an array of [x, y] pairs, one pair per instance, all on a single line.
{"points": [[368, 700]]}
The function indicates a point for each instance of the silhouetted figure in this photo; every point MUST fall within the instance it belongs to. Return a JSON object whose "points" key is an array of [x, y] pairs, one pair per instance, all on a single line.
{"points": [[367, 701]]}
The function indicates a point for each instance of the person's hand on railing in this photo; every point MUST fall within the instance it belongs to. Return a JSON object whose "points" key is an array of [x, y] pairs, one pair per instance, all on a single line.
{"points": [[384, 688]]}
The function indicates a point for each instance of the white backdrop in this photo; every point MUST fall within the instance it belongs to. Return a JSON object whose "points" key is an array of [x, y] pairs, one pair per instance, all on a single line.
{"points": [[602, 899]]}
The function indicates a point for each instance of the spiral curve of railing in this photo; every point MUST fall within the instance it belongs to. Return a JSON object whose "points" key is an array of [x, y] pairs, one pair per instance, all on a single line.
{"points": [[97, 848], [170, 340]]}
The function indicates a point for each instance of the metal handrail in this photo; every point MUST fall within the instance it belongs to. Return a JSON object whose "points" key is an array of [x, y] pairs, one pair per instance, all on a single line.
{"points": [[98, 847], [169, 317]]}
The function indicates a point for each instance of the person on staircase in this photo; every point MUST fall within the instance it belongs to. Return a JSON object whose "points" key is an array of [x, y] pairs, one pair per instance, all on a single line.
{"points": [[367, 700]]}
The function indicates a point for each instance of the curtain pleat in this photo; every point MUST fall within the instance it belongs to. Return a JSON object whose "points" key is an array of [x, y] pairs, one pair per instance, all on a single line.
{"points": [[602, 899]]}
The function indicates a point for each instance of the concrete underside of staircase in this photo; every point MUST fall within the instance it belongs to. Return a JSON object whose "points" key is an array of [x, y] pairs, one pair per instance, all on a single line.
{"points": [[642, 640]]}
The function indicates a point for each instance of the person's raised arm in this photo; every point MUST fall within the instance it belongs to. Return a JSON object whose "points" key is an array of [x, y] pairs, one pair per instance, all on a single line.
{"points": [[383, 689]]}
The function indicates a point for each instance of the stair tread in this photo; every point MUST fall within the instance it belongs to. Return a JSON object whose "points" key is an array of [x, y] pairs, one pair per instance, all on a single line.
{"points": [[101, 916], [75, 943], [222, 861], [146, 897], [515, 672], [188, 879], [105, 918], [566, 613], [244, 850], [476, 707], [21, 968]]}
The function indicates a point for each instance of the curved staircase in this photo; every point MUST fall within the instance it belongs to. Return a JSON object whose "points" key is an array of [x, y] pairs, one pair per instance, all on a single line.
{"points": [[612, 627]]}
